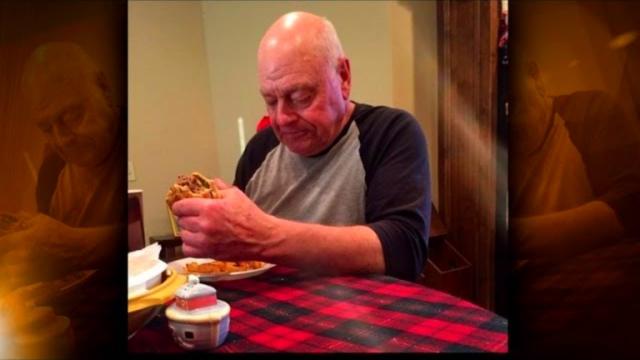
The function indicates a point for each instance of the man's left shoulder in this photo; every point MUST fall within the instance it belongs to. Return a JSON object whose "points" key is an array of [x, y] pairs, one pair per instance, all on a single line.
{"points": [[382, 113], [383, 119]]}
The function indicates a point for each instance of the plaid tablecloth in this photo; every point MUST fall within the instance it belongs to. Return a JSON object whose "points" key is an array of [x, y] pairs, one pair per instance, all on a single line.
{"points": [[286, 310], [591, 300]]}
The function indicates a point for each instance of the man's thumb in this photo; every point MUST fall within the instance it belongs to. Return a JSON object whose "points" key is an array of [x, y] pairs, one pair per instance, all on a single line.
{"points": [[221, 185]]}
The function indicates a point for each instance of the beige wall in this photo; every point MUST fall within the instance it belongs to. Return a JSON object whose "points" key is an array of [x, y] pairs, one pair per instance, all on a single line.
{"points": [[393, 60], [233, 31], [171, 129], [196, 62], [579, 58], [402, 59], [425, 73]]}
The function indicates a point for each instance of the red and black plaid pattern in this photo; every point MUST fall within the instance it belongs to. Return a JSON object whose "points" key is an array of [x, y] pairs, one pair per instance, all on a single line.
{"points": [[286, 310]]}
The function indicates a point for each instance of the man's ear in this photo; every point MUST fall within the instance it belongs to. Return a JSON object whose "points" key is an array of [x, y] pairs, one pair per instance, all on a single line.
{"points": [[103, 85], [101, 82], [534, 71], [344, 71]]}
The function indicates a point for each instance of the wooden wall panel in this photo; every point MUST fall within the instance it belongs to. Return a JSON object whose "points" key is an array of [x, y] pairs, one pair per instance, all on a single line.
{"points": [[467, 136]]}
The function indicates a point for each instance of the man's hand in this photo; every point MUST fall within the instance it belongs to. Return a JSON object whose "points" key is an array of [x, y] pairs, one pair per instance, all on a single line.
{"points": [[231, 228], [25, 250], [565, 233], [34, 231], [234, 228]]}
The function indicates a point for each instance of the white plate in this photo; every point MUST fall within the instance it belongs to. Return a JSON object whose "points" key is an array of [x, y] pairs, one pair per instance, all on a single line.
{"points": [[143, 282], [180, 267]]}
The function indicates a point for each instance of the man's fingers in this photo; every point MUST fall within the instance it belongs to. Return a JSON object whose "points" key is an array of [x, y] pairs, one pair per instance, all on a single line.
{"points": [[188, 207], [193, 239], [191, 251], [24, 215], [17, 238], [226, 192], [221, 185], [188, 251], [190, 223]]}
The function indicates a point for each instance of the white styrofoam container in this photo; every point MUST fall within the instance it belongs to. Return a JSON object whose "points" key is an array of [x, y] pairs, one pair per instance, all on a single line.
{"points": [[146, 280]]}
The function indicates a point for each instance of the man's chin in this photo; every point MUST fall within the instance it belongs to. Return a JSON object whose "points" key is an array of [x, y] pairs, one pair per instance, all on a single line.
{"points": [[304, 150], [84, 161]]}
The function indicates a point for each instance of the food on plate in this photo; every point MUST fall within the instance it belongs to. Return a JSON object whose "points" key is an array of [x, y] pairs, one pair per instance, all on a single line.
{"points": [[222, 266], [194, 185]]}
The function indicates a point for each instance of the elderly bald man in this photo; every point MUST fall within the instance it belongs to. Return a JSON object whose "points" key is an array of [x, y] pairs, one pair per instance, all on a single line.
{"points": [[333, 186], [575, 178], [70, 101]]}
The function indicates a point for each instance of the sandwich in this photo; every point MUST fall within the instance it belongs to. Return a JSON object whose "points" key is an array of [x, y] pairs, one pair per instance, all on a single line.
{"points": [[194, 185]]}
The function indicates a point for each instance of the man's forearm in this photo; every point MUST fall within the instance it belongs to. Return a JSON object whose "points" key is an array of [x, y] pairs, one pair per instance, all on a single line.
{"points": [[566, 232], [79, 248], [323, 249]]}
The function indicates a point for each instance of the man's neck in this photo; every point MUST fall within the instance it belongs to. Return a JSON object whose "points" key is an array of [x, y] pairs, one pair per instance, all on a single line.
{"points": [[97, 171], [351, 106], [344, 122]]}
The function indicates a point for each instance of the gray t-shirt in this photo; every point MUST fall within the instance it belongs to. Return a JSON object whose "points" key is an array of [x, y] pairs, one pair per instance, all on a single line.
{"points": [[375, 173]]}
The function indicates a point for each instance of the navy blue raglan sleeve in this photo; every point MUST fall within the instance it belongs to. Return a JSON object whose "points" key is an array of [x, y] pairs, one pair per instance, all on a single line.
{"points": [[398, 197], [609, 144], [253, 156]]}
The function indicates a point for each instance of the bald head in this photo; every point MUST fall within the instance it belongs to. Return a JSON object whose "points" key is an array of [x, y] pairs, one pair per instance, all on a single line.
{"points": [[302, 34], [69, 101], [532, 107], [57, 65], [305, 81]]}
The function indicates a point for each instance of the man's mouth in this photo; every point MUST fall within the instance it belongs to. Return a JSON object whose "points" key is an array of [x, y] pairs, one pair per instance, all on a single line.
{"points": [[75, 149], [293, 133]]}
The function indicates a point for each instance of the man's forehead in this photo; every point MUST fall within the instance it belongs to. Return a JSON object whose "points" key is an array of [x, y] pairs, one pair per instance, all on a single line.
{"points": [[50, 99], [287, 71], [294, 66], [49, 82], [267, 88], [282, 57], [287, 51], [49, 108]]}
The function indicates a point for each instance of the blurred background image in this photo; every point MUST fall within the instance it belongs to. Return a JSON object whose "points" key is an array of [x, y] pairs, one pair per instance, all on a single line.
{"points": [[574, 176], [62, 111]]}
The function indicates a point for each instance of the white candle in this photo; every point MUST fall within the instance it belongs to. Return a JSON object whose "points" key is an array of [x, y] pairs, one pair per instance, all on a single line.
{"points": [[32, 169], [241, 134]]}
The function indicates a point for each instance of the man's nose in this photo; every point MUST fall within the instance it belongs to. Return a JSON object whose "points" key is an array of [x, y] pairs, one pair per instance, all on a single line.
{"points": [[284, 114], [62, 134]]}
